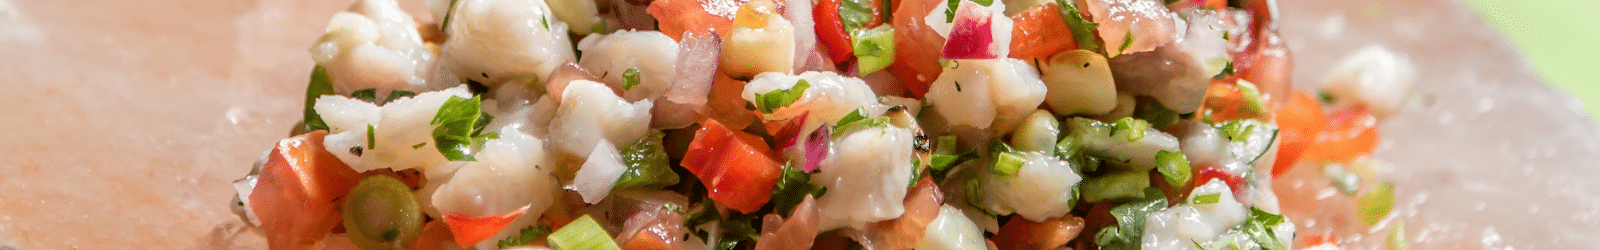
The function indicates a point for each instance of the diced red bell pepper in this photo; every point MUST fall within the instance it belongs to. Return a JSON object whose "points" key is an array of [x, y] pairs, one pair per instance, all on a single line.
{"points": [[1206, 174], [1023, 234], [469, 230], [738, 169]]}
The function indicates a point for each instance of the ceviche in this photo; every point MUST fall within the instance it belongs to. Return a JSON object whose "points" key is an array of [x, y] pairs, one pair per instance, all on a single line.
{"points": [[815, 124]]}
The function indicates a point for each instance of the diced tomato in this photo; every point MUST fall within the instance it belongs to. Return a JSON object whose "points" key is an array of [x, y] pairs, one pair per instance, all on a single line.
{"points": [[737, 168], [726, 105], [1225, 102], [1267, 64], [434, 235], [469, 230], [1023, 234], [677, 16], [916, 46], [1039, 32], [1206, 174], [1216, 4], [649, 239], [1351, 132], [1316, 240], [921, 207], [830, 30], [1300, 120], [297, 195]]}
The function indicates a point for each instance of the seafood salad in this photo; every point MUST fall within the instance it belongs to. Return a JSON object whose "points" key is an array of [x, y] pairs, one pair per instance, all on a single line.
{"points": [[815, 124]]}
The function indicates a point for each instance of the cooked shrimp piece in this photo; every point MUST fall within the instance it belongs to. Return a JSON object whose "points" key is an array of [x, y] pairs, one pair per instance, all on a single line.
{"points": [[499, 41], [374, 45], [1130, 26], [515, 159], [590, 112], [827, 97], [397, 127], [640, 63], [997, 93], [866, 176]]}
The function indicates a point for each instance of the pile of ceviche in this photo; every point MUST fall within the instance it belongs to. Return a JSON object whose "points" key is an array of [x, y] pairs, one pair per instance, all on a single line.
{"points": [[801, 124]]}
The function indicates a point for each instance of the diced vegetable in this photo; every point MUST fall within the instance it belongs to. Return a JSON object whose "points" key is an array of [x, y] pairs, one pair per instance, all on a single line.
{"points": [[1232, 100], [1376, 204], [318, 86], [832, 33], [1130, 218], [772, 101], [297, 192], [1079, 82], [761, 41], [917, 46], [458, 128], [874, 48], [1351, 132], [1024, 234], [582, 234], [527, 235], [1115, 187], [1261, 227], [792, 189], [600, 172], [1206, 174], [1083, 31], [738, 169], [648, 166], [674, 17], [470, 230], [1174, 166], [973, 35], [381, 213], [1036, 33], [1299, 120]]}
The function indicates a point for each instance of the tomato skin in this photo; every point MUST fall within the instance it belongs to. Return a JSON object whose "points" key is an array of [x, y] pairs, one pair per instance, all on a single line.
{"points": [[678, 16], [1037, 33], [1351, 132], [297, 195], [737, 168], [830, 30], [470, 230], [1299, 121]]}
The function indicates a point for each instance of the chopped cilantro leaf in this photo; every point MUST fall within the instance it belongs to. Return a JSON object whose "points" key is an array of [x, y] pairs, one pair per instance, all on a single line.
{"points": [[792, 188], [454, 127], [369, 95], [1082, 29], [772, 101], [319, 86], [1204, 199], [855, 14], [525, 236]]}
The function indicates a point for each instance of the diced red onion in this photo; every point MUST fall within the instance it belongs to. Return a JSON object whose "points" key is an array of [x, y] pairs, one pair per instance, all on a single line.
{"points": [[565, 74], [972, 36], [697, 65], [817, 147]]}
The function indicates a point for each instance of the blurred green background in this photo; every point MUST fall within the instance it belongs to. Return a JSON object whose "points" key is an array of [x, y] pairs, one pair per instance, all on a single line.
{"points": [[1561, 38]]}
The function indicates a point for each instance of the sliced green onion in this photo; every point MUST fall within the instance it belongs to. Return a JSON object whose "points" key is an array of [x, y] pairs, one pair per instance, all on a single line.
{"points": [[1376, 204], [1174, 166], [1151, 110], [772, 101], [874, 48], [380, 212], [975, 193], [648, 166], [1205, 199], [372, 138], [630, 78], [1008, 164], [582, 234], [1237, 130], [1116, 187], [1135, 127]]}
